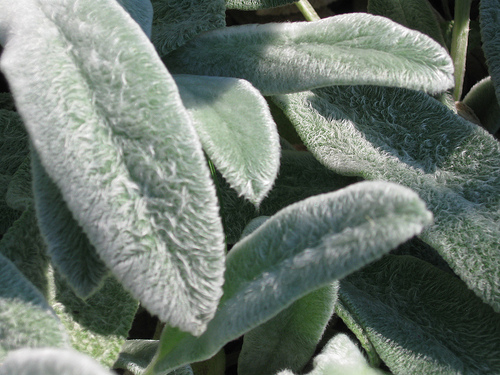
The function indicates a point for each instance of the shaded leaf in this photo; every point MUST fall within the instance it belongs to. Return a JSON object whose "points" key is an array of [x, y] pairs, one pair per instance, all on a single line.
{"points": [[176, 22], [136, 355], [99, 325], [68, 246], [489, 16], [347, 49], [300, 176], [13, 142], [422, 320], [241, 141], [414, 14], [50, 361], [111, 132], [289, 339], [19, 194], [483, 101], [24, 246], [256, 4], [303, 247], [26, 320], [409, 138], [340, 356]]}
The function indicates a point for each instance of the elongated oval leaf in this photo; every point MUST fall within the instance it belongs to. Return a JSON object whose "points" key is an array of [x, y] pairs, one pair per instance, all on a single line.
{"points": [[111, 132], [409, 138], [50, 361], [414, 14], [302, 248], [289, 339], [241, 140], [340, 356], [176, 22], [25, 317], [489, 11], [422, 320], [68, 246], [356, 49]]}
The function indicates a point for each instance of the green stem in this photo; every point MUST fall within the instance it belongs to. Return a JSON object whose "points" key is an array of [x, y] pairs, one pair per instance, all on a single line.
{"points": [[460, 38], [307, 10]]}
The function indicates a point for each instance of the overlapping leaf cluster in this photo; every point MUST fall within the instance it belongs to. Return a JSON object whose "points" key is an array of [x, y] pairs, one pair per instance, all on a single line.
{"points": [[140, 146]]}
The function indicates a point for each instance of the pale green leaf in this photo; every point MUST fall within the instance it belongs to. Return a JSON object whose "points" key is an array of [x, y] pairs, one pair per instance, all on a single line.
{"points": [[340, 356], [68, 246], [50, 361], [414, 14], [175, 23], [422, 320], [256, 4], [303, 247], [112, 133], [290, 338], [99, 325], [26, 320], [25, 247], [141, 11], [241, 140], [483, 101], [354, 48], [409, 138], [489, 16]]}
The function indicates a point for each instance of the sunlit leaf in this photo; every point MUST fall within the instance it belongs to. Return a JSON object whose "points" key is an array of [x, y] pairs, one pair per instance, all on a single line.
{"points": [[303, 247], [347, 49], [422, 320], [26, 320], [340, 356], [241, 140], [409, 138], [112, 134], [289, 339], [50, 361]]}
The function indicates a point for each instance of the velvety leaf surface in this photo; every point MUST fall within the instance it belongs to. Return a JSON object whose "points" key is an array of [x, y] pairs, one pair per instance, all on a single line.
{"points": [[289, 339], [24, 246], [303, 247], [483, 101], [409, 138], [26, 320], [414, 14], [68, 246], [99, 325], [422, 320], [50, 361], [489, 15], [175, 22], [236, 130], [111, 132], [256, 4], [141, 11], [19, 194], [347, 49], [340, 356]]}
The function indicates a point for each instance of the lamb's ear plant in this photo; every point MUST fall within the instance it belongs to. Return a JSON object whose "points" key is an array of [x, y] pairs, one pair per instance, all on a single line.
{"points": [[146, 158]]}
